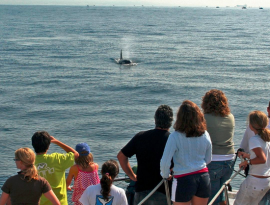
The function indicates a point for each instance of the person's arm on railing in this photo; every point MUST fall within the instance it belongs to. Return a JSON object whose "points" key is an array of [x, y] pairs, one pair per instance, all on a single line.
{"points": [[123, 160], [259, 159], [165, 161]]}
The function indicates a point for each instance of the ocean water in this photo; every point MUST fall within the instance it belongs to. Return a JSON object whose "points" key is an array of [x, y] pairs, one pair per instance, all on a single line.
{"points": [[58, 72]]}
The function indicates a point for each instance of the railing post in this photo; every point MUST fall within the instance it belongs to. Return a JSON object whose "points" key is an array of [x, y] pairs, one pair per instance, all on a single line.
{"points": [[226, 183], [152, 192], [227, 195], [167, 192]]}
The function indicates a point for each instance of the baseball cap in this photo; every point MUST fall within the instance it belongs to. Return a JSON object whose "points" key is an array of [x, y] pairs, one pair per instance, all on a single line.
{"points": [[83, 149]]}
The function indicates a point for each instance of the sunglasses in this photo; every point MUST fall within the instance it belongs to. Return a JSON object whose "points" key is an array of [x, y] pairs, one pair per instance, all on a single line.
{"points": [[16, 159]]}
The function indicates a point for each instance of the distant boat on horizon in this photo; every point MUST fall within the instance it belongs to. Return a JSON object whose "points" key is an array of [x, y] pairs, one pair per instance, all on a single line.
{"points": [[260, 7], [244, 7], [217, 7]]}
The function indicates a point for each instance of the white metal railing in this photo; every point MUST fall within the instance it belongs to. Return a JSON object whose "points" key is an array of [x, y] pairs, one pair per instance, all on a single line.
{"points": [[224, 187], [153, 191]]}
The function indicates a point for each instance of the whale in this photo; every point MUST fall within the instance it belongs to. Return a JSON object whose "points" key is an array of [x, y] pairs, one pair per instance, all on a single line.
{"points": [[123, 61]]}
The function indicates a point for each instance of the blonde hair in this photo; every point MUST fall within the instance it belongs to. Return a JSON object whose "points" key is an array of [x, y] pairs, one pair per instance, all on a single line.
{"points": [[27, 157], [259, 121], [85, 161]]}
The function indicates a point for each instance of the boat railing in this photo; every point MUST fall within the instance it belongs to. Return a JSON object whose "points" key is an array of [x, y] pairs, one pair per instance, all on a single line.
{"points": [[225, 187], [126, 180]]}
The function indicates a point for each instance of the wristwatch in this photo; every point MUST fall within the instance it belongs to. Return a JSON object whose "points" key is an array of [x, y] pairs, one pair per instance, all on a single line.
{"points": [[248, 161]]}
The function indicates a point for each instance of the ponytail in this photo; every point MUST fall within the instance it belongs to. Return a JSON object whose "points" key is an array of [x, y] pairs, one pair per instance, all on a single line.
{"points": [[264, 134], [109, 171], [106, 183], [258, 120], [27, 157], [30, 173]]}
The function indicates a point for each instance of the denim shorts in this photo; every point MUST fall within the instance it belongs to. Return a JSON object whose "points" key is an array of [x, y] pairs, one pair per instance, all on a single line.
{"points": [[220, 172], [184, 188]]}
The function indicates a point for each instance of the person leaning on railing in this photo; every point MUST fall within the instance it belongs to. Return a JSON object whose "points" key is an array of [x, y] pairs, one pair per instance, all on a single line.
{"points": [[244, 145], [148, 146], [257, 183], [191, 149], [220, 125]]}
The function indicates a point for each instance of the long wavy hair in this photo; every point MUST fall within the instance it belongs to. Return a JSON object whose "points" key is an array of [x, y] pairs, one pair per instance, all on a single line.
{"points": [[85, 161], [259, 121], [215, 102], [190, 120], [27, 157], [109, 170]]}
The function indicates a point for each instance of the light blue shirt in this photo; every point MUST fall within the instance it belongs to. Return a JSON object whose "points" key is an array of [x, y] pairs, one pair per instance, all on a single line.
{"points": [[189, 154]]}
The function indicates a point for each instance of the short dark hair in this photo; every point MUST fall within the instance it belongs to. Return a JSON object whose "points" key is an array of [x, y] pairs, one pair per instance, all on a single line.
{"points": [[41, 141], [164, 117]]}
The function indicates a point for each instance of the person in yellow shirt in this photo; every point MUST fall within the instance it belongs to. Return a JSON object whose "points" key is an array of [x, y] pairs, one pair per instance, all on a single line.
{"points": [[53, 166]]}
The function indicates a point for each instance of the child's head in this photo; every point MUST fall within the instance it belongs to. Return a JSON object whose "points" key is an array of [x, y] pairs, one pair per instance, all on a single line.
{"points": [[85, 155], [41, 141], [25, 159], [259, 121], [109, 170]]}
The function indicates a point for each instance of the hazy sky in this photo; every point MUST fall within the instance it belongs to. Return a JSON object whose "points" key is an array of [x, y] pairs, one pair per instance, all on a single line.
{"points": [[221, 3]]}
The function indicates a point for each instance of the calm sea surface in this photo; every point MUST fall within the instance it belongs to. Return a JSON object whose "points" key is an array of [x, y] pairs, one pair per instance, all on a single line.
{"points": [[58, 72]]}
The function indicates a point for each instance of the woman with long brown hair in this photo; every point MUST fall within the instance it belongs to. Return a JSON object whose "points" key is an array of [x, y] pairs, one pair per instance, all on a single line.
{"points": [[220, 125], [257, 183], [190, 147], [105, 192], [26, 187]]}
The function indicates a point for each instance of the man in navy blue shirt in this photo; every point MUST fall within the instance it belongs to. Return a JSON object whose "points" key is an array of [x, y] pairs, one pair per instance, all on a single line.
{"points": [[148, 146]]}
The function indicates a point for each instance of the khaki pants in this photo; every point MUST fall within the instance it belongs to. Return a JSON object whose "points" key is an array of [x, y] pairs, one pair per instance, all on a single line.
{"points": [[252, 190]]}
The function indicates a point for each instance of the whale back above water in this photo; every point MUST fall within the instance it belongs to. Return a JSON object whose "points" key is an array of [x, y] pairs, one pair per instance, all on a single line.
{"points": [[124, 61]]}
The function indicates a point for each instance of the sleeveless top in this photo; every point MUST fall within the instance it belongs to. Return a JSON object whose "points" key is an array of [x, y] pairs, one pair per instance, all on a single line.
{"points": [[84, 180]]}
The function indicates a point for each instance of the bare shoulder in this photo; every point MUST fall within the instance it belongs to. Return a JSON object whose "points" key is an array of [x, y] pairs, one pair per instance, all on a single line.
{"points": [[73, 169], [96, 165]]}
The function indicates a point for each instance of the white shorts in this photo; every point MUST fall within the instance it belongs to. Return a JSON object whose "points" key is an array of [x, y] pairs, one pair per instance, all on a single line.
{"points": [[252, 190]]}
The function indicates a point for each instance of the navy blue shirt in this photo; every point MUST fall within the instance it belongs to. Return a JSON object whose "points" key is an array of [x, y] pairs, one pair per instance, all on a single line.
{"points": [[148, 146]]}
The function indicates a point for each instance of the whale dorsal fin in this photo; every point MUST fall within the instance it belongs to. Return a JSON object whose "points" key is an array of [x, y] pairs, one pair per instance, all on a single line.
{"points": [[121, 57]]}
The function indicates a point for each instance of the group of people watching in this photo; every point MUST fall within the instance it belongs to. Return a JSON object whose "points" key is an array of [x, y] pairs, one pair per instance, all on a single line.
{"points": [[42, 177], [198, 156]]}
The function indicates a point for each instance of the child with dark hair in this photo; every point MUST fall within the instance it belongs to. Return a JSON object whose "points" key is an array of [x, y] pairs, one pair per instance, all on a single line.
{"points": [[84, 172], [105, 192], [53, 166]]}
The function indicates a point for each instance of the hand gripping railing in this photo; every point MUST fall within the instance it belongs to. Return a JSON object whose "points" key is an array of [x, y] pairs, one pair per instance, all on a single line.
{"points": [[224, 186], [153, 191]]}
